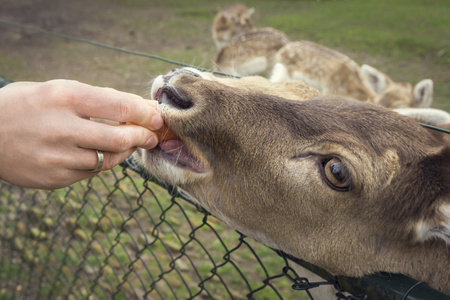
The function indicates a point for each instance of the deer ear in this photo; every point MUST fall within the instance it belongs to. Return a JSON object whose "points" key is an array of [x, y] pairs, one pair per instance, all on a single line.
{"points": [[438, 228], [376, 80], [430, 116], [423, 93]]}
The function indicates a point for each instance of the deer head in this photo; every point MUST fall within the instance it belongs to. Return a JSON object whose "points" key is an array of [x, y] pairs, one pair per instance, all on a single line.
{"points": [[231, 22], [351, 187]]}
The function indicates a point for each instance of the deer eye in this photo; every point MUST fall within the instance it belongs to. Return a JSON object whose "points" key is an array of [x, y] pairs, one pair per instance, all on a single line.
{"points": [[336, 174]]}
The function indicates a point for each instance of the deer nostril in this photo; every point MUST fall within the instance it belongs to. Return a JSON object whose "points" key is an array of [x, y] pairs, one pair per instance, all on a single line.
{"points": [[172, 98]]}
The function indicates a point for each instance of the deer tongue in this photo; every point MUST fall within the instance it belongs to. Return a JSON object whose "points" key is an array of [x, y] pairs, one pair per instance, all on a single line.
{"points": [[177, 152]]}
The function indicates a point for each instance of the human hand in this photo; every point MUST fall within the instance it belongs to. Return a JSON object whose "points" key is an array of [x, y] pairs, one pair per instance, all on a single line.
{"points": [[47, 139]]}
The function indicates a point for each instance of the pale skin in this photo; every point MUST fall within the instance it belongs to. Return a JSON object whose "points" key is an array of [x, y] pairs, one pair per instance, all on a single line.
{"points": [[47, 137]]}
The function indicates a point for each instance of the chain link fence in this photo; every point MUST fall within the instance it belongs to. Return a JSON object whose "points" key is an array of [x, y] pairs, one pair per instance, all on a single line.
{"points": [[122, 235], [118, 235]]}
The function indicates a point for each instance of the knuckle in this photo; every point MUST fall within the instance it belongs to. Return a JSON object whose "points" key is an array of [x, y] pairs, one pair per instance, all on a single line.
{"points": [[49, 160], [53, 181], [52, 175], [112, 160], [123, 141], [59, 91], [124, 109]]}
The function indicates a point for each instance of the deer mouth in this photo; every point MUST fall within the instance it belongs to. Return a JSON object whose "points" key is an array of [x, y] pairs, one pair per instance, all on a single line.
{"points": [[176, 153], [175, 150]]}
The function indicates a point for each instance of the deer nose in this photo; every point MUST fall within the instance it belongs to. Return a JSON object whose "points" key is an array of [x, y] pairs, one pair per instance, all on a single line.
{"points": [[170, 96]]}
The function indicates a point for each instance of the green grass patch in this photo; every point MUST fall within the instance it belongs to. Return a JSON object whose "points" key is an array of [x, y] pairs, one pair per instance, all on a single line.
{"points": [[403, 29]]}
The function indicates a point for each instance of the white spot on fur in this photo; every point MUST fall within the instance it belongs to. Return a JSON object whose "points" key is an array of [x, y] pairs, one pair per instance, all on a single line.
{"points": [[310, 82], [426, 231], [252, 66], [279, 73], [157, 82]]}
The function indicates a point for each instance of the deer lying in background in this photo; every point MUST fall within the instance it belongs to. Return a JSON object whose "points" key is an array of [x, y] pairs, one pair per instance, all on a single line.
{"points": [[397, 94], [333, 73], [231, 22], [351, 187], [250, 53]]}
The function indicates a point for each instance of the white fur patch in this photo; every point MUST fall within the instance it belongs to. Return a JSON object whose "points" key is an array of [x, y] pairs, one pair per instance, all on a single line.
{"points": [[430, 115], [252, 66], [279, 73], [157, 83], [442, 231], [297, 75]]}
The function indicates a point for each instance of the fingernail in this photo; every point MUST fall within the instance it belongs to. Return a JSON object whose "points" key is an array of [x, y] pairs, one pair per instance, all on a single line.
{"points": [[151, 143], [156, 122]]}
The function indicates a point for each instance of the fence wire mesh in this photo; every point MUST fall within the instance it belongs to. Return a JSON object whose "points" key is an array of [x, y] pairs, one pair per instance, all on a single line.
{"points": [[119, 235], [124, 235]]}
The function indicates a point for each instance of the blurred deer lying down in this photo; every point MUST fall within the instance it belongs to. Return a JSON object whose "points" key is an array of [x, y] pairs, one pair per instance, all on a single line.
{"points": [[242, 48], [334, 73], [351, 187], [231, 22], [250, 53]]}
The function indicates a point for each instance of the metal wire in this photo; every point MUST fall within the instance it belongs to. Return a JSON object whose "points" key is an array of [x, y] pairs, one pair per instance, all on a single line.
{"points": [[94, 43], [435, 128]]}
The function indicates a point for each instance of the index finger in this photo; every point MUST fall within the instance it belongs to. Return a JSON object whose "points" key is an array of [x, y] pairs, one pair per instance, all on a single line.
{"points": [[114, 105]]}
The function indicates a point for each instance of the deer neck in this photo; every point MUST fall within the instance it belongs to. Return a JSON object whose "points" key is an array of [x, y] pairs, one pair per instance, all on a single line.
{"points": [[424, 262]]}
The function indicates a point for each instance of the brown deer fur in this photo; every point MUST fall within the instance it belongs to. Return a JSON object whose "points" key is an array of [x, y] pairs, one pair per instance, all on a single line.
{"points": [[349, 186]]}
